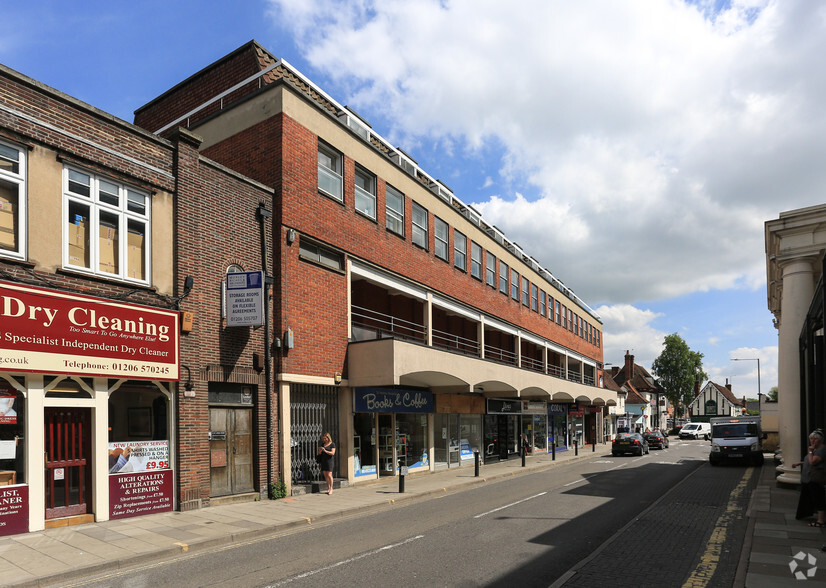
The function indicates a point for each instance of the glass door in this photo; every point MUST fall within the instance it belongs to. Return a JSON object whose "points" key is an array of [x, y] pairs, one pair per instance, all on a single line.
{"points": [[387, 446], [447, 445]]}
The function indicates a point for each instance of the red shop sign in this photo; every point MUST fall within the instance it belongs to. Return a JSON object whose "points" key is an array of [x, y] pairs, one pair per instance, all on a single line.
{"points": [[56, 332], [132, 495]]}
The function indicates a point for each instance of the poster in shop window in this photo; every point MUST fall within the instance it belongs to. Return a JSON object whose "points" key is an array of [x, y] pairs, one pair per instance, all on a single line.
{"points": [[8, 413], [132, 495], [126, 457]]}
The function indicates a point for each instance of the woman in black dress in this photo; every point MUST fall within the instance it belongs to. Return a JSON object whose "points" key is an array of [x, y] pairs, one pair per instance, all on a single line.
{"points": [[326, 453]]}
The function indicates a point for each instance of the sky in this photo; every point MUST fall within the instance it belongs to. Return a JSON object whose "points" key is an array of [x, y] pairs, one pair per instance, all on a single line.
{"points": [[634, 148]]}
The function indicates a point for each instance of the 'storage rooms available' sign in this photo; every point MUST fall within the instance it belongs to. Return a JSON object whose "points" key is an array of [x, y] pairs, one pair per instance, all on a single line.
{"points": [[55, 332]]}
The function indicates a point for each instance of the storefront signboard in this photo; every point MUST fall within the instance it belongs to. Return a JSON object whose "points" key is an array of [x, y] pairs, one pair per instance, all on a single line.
{"points": [[14, 509], [576, 410], [138, 456], [60, 333], [497, 406], [529, 407], [132, 495], [556, 409], [245, 299], [374, 399]]}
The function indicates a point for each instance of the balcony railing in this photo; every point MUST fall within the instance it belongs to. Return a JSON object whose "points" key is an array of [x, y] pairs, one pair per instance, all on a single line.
{"points": [[371, 324], [500, 355], [536, 365], [557, 371], [451, 342]]}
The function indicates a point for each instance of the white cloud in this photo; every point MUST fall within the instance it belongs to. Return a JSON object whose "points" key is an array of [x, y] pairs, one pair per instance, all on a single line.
{"points": [[627, 329]]}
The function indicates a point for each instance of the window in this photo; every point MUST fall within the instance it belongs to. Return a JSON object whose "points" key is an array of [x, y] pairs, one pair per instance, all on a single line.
{"points": [[459, 250], [564, 317], [365, 193], [558, 311], [440, 238], [311, 251], [419, 226], [503, 278], [570, 320], [107, 227], [514, 285], [395, 211], [534, 298], [542, 302], [12, 200], [525, 296], [597, 338], [475, 261], [490, 270], [330, 172]]}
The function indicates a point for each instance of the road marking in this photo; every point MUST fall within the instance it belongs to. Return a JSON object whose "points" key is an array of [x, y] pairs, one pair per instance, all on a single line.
{"points": [[510, 505], [345, 562], [702, 574], [574, 482]]}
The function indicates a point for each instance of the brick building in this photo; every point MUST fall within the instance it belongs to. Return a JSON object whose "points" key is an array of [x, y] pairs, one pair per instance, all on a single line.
{"points": [[403, 323]]}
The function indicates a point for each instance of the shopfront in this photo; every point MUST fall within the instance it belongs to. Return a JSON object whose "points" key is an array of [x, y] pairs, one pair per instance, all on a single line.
{"points": [[85, 406], [576, 424], [558, 426], [391, 428], [502, 428], [457, 430], [535, 426]]}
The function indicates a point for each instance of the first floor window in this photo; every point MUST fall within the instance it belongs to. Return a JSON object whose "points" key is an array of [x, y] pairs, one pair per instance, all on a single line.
{"points": [[558, 312], [106, 226], [330, 172], [365, 193], [311, 251], [542, 302], [12, 200], [525, 286], [419, 226], [514, 285]]}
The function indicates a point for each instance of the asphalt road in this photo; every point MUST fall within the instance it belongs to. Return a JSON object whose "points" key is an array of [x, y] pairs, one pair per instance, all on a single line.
{"points": [[616, 521]]}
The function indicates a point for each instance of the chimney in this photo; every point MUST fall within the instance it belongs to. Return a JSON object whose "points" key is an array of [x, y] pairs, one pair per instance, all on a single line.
{"points": [[614, 371], [696, 388], [728, 385], [629, 365]]}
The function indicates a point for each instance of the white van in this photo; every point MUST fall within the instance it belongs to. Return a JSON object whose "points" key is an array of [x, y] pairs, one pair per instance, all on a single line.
{"points": [[695, 431], [736, 438]]}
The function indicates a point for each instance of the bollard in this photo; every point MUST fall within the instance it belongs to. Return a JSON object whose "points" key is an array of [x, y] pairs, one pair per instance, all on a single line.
{"points": [[523, 455], [553, 451], [402, 472], [476, 463], [576, 448], [594, 447]]}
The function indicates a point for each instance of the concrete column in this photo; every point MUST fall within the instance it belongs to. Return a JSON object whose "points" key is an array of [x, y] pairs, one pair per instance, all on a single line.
{"points": [[798, 289]]}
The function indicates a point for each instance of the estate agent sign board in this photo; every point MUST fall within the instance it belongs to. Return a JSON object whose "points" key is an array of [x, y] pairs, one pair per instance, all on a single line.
{"points": [[60, 333]]}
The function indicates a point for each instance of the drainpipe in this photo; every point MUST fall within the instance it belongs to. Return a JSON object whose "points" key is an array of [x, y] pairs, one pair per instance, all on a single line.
{"points": [[263, 215]]}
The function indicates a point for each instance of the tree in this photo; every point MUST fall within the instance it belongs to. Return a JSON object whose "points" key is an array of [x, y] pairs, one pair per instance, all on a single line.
{"points": [[677, 368], [773, 394]]}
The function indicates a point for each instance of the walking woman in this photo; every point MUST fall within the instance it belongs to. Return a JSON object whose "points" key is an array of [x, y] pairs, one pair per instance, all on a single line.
{"points": [[325, 454], [812, 477]]}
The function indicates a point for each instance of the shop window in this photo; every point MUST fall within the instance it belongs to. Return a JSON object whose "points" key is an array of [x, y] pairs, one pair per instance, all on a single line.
{"points": [[106, 227], [394, 214], [12, 201], [411, 436], [365, 193], [475, 260], [440, 238], [364, 444], [330, 172], [459, 250], [419, 226], [12, 434], [138, 430]]}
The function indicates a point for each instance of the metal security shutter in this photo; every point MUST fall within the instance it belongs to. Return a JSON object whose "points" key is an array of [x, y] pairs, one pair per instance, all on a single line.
{"points": [[313, 410]]}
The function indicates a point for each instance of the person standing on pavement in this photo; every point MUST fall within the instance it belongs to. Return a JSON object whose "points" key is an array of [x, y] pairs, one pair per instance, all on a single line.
{"points": [[812, 476], [326, 453]]}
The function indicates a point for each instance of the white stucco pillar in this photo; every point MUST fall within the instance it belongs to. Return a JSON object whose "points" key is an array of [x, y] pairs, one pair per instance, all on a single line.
{"points": [[798, 289]]}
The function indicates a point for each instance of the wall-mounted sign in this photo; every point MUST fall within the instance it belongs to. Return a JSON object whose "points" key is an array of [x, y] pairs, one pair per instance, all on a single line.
{"points": [[496, 406], [59, 333], [371, 399], [245, 299]]}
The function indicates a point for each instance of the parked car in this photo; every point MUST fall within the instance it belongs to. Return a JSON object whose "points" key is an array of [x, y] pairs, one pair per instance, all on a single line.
{"points": [[696, 431], [656, 439], [629, 443]]}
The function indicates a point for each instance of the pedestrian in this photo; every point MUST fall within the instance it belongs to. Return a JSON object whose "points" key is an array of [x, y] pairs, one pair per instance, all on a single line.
{"points": [[812, 480], [325, 461]]}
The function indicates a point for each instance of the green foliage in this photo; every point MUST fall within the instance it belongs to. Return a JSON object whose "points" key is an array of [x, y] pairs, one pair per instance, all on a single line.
{"points": [[773, 394], [676, 369], [278, 489]]}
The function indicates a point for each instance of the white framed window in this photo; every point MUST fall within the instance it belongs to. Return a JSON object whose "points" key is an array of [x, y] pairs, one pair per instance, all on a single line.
{"points": [[330, 172], [459, 250], [558, 312], [419, 222], [365, 193], [515, 285], [106, 227], [542, 302], [503, 277], [394, 212], [12, 201], [440, 238], [490, 269], [475, 260], [311, 251], [525, 295]]}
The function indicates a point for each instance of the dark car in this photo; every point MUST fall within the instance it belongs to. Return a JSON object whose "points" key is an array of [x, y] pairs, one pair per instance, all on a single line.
{"points": [[656, 439], [629, 443]]}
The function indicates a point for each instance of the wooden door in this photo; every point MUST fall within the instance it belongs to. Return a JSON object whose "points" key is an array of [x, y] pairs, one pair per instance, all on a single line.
{"points": [[230, 448], [68, 462]]}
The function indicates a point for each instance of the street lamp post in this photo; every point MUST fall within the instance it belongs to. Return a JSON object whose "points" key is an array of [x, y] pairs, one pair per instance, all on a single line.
{"points": [[757, 359]]}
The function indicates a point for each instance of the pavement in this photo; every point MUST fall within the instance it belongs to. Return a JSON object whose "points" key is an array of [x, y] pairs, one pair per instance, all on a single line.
{"points": [[773, 537]]}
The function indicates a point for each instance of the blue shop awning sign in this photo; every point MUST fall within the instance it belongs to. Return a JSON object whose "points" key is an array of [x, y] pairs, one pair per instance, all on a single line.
{"points": [[376, 399]]}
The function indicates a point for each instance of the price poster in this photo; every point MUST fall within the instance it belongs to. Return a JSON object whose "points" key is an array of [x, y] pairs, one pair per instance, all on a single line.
{"points": [[132, 495], [126, 457]]}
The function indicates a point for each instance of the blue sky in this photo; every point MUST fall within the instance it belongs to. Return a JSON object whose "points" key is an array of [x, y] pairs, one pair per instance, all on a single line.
{"points": [[634, 148]]}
